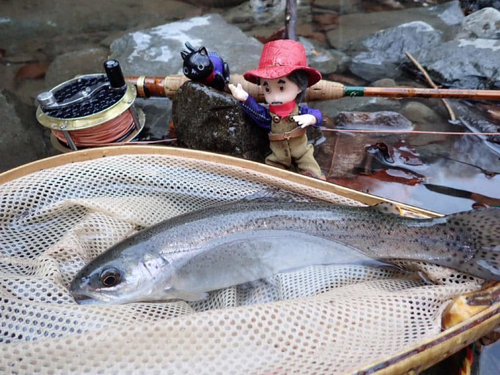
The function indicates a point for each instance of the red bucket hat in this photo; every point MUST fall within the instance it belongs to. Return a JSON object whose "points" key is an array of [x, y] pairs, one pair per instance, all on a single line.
{"points": [[280, 58]]}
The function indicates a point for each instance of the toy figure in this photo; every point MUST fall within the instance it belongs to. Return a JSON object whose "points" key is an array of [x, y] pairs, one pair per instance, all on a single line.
{"points": [[207, 68], [284, 74]]}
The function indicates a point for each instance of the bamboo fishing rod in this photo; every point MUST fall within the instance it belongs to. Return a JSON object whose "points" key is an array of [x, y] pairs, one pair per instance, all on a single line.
{"points": [[323, 90]]}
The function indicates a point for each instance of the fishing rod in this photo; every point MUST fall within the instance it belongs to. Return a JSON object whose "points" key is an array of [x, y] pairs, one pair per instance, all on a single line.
{"points": [[323, 90]]}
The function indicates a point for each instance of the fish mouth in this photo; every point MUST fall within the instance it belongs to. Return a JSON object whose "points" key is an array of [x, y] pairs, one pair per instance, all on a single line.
{"points": [[83, 299]]}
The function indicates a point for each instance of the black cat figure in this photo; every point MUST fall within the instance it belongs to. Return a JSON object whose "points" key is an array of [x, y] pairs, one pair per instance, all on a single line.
{"points": [[207, 68]]}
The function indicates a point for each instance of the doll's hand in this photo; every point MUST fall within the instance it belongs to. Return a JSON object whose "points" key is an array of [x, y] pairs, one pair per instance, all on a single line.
{"points": [[305, 120], [238, 92]]}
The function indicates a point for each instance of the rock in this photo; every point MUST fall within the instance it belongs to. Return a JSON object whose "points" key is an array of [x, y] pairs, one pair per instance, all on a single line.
{"points": [[158, 113], [384, 120], [464, 63], [418, 113], [71, 64], [320, 58], [471, 6], [268, 12], [384, 82], [216, 3], [387, 49], [22, 139], [343, 61], [482, 24], [340, 6], [156, 51], [206, 119], [20, 20], [350, 32], [362, 104], [475, 121]]}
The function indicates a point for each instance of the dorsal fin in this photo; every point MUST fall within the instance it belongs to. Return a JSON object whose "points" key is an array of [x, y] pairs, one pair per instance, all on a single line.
{"points": [[388, 208]]}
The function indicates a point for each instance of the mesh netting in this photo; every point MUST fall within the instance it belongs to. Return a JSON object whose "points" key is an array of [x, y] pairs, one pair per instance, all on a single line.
{"points": [[322, 319]]}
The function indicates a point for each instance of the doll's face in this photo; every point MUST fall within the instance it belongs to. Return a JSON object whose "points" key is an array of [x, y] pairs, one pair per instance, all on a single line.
{"points": [[279, 91]]}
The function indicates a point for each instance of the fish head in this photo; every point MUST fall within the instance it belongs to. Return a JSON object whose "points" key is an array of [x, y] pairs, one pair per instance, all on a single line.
{"points": [[117, 277]]}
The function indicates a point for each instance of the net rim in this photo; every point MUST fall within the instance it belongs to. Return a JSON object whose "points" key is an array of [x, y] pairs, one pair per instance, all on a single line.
{"points": [[96, 153]]}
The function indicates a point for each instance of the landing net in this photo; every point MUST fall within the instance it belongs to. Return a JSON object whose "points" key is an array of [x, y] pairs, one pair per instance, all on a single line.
{"points": [[321, 320]]}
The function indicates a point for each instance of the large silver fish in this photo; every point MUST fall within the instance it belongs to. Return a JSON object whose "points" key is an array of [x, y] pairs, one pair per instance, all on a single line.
{"points": [[189, 255]]}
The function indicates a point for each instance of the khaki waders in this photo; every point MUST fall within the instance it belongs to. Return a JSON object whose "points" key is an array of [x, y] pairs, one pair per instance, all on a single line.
{"points": [[291, 147]]}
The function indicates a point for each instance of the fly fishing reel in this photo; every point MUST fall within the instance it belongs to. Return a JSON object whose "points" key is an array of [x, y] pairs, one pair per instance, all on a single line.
{"points": [[91, 110]]}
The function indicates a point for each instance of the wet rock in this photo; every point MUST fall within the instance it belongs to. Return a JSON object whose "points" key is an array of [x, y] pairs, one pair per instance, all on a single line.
{"points": [[482, 24], [256, 13], [320, 58], [386, 49], [66, 17], [340, 6], [262, 19], [209, 120], [464, 63], [216, 3], [158, 113], [355, 27], [156, 51], [362, 104], [343, 61], [22, 139], [471, 6], [71, 64], [384, 82], [347, 152], [384, 120], [474, 120], [418, 113]]}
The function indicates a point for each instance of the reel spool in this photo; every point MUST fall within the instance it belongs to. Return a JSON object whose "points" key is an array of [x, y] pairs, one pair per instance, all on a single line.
{"points": [[91, 110]]}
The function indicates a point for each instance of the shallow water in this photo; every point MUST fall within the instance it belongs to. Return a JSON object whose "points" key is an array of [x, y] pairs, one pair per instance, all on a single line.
{"points": [[444, 173]]}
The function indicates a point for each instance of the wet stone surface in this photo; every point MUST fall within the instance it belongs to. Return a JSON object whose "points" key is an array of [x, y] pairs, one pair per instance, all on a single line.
{"points": [[156, 51], [206, 119]]}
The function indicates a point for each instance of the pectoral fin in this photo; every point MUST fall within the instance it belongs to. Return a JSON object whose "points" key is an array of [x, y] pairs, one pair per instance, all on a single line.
{"points": [[186, 295]]}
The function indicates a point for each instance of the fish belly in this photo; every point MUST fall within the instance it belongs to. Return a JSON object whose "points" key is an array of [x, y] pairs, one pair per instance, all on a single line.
{"points": [[244, 257]]}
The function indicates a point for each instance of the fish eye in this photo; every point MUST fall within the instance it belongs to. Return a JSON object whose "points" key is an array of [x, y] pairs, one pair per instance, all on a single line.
{"points": [[200, 67], [110, 277]]}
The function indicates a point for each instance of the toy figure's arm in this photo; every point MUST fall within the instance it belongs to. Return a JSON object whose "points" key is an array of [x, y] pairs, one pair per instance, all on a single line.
{"points": [[257, 112], [309, 116]]}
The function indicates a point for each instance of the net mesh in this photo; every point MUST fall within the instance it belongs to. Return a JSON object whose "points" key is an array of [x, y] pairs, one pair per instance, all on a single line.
{"points": [[321, 320]]}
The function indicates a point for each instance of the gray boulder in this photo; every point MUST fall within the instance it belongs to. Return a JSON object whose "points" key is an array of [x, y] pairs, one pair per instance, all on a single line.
{"points": [[362, 104], [464, 63], [71, 64], [22, 139], [156, 51], [482, 24], [418, 112], [206, 119], [21, 20], [355, 27], [384, 120], [320, 58], [386, 49]]}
